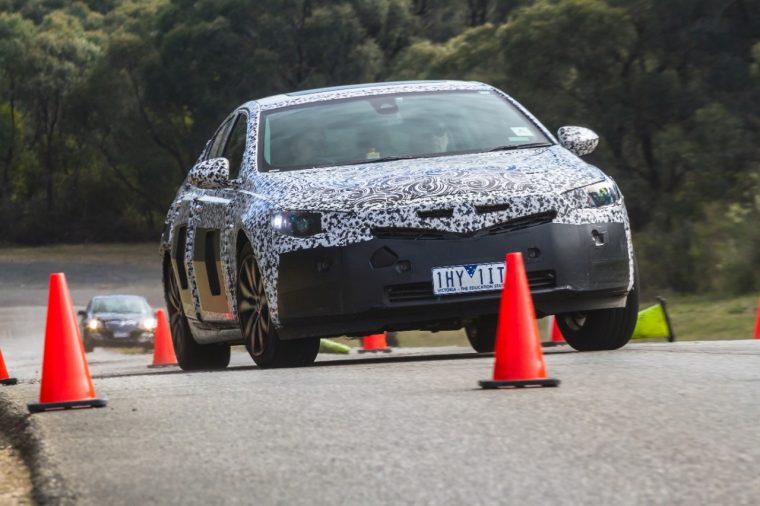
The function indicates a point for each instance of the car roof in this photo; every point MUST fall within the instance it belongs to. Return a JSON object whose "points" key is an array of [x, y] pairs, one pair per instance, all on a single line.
{"points": [[118, 296], [357, 90]]}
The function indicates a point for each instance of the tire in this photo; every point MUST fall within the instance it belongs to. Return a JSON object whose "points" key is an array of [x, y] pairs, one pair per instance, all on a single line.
{"points": [[603, 329], [391, 338], [259, 334], [482, 334], [89, 346], [191, 355]]}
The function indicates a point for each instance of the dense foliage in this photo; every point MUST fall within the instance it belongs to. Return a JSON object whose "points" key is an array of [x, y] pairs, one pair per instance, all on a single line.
{"points": [[105, 104]]}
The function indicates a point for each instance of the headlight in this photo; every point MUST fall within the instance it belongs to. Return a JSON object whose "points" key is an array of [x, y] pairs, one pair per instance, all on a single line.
{"points": [[148, 323], [598, 194], [297, 223], [93, 324]]}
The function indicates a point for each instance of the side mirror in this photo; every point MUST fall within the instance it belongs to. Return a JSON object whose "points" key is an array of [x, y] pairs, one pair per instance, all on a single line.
{"points": [[212, 173], [578, 140], [82, 313]]}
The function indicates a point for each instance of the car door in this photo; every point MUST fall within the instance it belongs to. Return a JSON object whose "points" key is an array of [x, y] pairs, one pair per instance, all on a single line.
{"points": [[210, 224], [182, 235]]}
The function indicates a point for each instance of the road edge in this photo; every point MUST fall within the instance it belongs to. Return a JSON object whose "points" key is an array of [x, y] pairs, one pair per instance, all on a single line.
{"points": [[24, 433]]}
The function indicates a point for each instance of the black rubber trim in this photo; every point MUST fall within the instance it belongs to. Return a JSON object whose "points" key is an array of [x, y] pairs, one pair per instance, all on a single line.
{"points": [[179, 256], [210, 260]]}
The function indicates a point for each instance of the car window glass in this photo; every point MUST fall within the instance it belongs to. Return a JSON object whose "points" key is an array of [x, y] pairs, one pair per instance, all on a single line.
{"points": [[236, 145], [361, 129], [217, 144], [120, 305]]}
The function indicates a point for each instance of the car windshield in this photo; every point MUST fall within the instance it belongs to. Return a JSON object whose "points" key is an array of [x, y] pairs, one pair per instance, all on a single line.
{"points": [[387, 127], [124, 305]]}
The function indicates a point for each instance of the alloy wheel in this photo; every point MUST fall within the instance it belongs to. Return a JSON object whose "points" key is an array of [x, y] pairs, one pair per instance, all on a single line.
{"points": [[253, 306]]}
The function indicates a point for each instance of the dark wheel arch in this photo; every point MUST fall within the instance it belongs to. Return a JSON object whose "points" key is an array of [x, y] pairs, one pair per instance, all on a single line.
{"points": [[602, 329], [259, 332]]}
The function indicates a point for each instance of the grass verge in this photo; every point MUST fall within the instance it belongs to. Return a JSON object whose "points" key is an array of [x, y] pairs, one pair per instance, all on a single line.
{"points": [[702, 318]]}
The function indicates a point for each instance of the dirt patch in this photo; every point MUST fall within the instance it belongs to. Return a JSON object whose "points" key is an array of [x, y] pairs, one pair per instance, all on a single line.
{"points": [[15, 480], [27, 473]]}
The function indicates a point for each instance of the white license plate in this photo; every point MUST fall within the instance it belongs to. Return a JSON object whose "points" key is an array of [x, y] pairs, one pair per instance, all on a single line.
{"points": [[468, 278], [119, 335]]}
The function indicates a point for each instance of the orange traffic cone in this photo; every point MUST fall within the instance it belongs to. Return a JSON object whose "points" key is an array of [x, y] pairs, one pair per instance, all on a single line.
{"points": [[374, 343], [556, 335], [163, 349], [66, 381], [519, 360], [5, 379], [757, 322]]}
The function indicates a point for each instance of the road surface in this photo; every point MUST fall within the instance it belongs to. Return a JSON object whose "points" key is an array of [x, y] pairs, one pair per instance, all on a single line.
{"points": [[649, 424]]}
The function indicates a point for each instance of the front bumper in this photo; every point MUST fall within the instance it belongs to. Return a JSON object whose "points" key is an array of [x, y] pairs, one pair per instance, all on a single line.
{"points": [[105, 337], [386, 283]]}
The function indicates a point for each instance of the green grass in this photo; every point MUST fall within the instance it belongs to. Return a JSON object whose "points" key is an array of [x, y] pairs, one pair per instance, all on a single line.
{"points": [[139, 253], [703, 318]]}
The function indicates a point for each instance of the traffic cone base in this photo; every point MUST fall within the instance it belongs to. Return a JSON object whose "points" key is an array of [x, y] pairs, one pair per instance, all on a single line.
{"points": [[8, 381], [539, 382], [377, 350], [50, 406]]}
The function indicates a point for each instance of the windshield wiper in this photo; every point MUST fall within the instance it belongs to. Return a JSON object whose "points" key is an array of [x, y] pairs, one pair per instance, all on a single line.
{"points": [[521, 146], [383, 159]]}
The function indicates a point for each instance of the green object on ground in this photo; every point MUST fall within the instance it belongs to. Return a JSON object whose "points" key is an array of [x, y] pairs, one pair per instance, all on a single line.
{"points": [[327, 346], [654, 322]]}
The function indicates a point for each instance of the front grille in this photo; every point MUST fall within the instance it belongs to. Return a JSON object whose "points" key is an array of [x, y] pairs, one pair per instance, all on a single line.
{"points": [[412, 292], [521, 223], [120, 325], [491, 208], [433, 234], [436, 213], [411, 233]]}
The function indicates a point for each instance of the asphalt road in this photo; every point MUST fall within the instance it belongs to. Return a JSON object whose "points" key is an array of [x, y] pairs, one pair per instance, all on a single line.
{"points": [[649, 424]]}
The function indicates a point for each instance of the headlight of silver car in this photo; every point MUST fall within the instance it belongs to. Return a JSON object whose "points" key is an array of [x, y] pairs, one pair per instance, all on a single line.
{"points": [[297, 223], [94, 324], [148, 323], [598, 194]]}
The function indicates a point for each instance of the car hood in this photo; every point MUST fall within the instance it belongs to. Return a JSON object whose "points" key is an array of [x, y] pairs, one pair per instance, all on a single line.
{"points": [[497, 175]]}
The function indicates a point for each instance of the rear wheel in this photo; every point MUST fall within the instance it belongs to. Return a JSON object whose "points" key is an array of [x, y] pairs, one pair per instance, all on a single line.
{"points": [[482, 334], [259, 334], [190, 354], [603, 329]]}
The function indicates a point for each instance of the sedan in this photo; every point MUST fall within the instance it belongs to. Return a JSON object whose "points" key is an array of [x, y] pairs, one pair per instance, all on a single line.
{"points": [[385, 207], [117, 320]]}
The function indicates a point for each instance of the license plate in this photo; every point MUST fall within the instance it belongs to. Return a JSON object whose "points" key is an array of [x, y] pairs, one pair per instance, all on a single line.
{"points": [[468, 278], [119, 335]]}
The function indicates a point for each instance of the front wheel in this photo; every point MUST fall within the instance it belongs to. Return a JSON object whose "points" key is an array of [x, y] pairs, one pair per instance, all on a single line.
{"points": [[89, 346], [259, 334], [602, 329], [190, 354]]}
